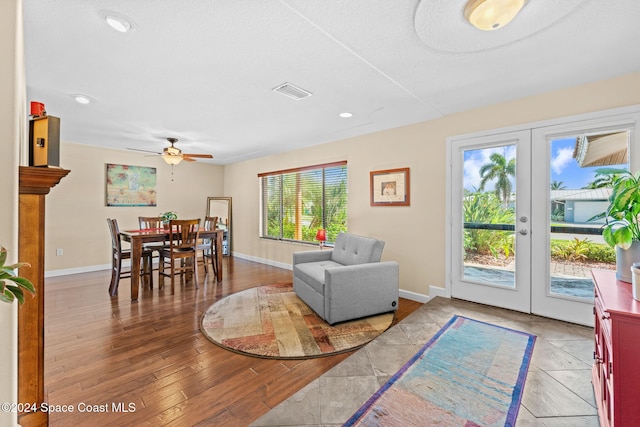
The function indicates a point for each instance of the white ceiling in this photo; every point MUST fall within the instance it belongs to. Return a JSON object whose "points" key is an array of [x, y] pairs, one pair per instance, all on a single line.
{"points": [[203, 70]]}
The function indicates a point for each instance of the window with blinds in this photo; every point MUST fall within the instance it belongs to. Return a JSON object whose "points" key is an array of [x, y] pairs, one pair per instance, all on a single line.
{"points": [[297, 202]]}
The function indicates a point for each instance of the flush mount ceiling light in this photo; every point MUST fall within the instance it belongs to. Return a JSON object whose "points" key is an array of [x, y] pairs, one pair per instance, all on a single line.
{"points": [[116, 21], [490, 15], [82, 99], [118, 24], [346, 115]]}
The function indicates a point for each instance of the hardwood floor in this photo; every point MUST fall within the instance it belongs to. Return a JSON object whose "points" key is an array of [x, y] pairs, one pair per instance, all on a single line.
{"points": [[118, 363]]}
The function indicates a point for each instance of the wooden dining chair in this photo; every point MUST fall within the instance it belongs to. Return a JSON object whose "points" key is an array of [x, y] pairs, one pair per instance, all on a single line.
{"points": [[208, 246], [181, 248], [152, 222], [118, 254]]}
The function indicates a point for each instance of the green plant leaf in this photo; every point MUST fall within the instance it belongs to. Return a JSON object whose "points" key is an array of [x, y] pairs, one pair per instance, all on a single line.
{"points": [[17, 292], [25, 283], [607, 235], [624, 198], [623, 237], [7, 296], [601, 215], [13, 287]]}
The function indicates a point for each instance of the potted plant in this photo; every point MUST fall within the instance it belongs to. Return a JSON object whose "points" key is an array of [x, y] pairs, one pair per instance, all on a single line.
{"points": [[168, 216], [621, 229], [12, 287]]}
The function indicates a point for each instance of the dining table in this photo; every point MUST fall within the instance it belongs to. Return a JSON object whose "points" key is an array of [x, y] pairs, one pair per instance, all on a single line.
{"points": [[138, 237]]}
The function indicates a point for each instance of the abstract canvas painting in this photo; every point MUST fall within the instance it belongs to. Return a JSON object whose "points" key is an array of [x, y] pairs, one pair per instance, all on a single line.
{"points": [[130, 185]]}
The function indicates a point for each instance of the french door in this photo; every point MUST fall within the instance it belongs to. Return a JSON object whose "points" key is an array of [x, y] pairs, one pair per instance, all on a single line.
{"points": [[520, 210], [488, 216]]}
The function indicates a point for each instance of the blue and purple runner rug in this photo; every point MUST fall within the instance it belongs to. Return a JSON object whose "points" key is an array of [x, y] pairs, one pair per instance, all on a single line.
{"points": [[470, 373]]}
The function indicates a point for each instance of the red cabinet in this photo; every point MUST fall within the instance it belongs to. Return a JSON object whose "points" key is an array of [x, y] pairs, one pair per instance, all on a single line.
{"points": [[616, 367]]}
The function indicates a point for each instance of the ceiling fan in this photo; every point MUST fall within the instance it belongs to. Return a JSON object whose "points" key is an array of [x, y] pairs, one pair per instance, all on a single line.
{"points": [[172, 155]]}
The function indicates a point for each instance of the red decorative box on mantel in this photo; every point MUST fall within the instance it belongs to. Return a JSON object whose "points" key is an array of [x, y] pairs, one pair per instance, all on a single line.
{"points": [[616, 368]]}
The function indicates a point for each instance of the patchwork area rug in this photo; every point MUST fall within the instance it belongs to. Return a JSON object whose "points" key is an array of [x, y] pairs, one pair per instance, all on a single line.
{"points": [[470, 373], [271, 321]]}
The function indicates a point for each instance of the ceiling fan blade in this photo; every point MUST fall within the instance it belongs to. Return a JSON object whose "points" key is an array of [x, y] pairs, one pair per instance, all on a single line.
{"points": [[199, 156], [144, 151], [188, 159]]}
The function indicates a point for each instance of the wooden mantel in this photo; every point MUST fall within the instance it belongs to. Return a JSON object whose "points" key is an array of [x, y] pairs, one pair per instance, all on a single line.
{"points": [[34, 184]]}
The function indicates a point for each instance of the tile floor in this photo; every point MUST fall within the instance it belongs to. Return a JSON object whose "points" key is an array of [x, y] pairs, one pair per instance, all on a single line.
{"points": [[558, 390]]}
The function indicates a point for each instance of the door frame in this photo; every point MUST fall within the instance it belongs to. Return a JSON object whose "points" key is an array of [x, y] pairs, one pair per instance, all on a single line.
{"points": [[630, 113]]}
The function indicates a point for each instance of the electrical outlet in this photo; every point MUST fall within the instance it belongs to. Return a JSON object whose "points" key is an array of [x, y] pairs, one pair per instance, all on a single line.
{"points": [[59, 252]]}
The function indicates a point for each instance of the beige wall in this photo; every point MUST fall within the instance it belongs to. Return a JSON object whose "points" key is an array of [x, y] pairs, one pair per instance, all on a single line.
{"points": [[76, 211], [415, 235]]}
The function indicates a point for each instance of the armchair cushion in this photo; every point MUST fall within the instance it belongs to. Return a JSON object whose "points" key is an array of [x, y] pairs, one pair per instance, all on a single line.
{"points": [[313, 273], [348, 281], [350, 249]]}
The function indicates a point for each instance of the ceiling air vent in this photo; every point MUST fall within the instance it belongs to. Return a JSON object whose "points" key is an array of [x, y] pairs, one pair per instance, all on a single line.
{"points": [[294, 92]]}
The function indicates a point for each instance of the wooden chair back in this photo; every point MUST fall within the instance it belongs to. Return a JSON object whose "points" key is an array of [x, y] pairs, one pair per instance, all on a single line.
{"points": [[149, 222], [185, 234], [114, 231], [210, 222]]}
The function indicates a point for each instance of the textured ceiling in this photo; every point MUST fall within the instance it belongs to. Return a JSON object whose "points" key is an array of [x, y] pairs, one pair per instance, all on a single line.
{"points": [[203, 70]]}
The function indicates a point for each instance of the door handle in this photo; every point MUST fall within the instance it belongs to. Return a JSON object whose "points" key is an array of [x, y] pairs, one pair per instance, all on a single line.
{"points": [[523, 232]]}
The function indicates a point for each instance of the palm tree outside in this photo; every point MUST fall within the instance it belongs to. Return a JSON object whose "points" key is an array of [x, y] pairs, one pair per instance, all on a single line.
{"points": [[601, 181], [500, 170]]}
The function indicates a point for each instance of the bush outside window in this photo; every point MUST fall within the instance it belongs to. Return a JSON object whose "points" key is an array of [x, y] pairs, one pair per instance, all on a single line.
{"points": [[297, 202]]}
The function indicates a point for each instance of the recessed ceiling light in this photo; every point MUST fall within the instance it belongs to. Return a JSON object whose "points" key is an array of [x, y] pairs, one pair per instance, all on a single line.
{"points": [[346, 115], [82, 99]]}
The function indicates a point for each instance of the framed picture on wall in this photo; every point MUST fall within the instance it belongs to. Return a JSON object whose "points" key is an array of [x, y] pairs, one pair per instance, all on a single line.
{"points": [[130, 185], [390, 187]]}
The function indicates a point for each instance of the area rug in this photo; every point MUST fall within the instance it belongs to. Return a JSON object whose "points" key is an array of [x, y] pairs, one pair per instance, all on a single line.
{"points": [[271, 321], [470, 373]]}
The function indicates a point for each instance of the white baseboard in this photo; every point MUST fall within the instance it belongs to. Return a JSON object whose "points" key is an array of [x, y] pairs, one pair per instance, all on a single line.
{"points": [[77, 270], [414, 296], [264, 261], [437, 291]]}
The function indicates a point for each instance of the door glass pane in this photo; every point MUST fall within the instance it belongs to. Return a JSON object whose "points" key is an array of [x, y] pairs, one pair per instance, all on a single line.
{"points": [[489, 215], [577, 194]]}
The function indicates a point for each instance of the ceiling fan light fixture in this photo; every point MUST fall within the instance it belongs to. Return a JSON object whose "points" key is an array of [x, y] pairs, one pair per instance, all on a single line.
{"points": [[172, 151], [488, 15], [171, 159]]}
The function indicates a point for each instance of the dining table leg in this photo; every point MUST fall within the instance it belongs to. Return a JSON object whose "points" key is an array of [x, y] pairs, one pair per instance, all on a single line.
{"points": [[136, 255]]}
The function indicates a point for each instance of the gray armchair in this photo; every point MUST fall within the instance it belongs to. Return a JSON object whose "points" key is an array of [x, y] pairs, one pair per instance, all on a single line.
{"points": [[348, 281]]}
